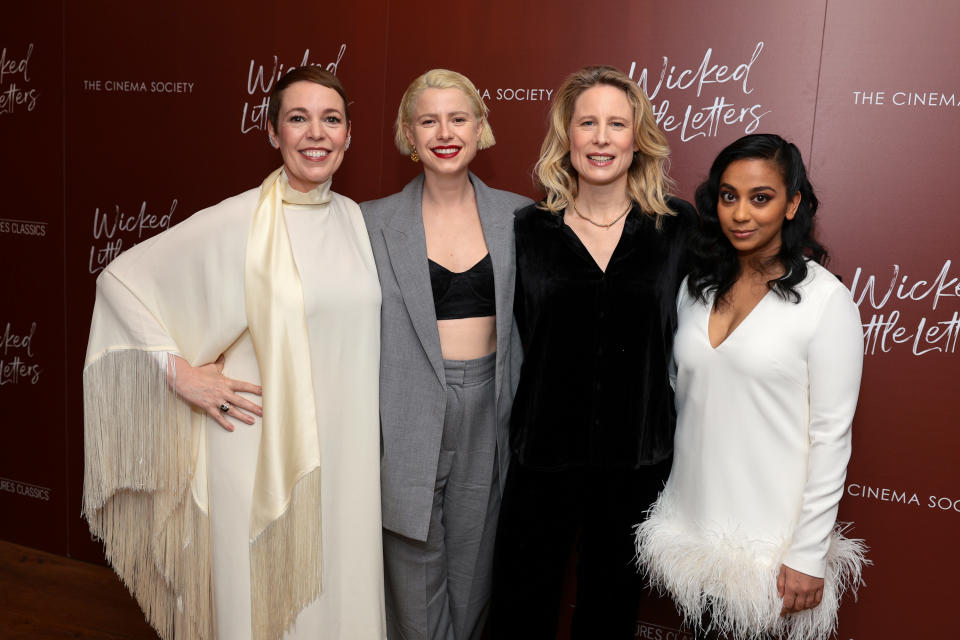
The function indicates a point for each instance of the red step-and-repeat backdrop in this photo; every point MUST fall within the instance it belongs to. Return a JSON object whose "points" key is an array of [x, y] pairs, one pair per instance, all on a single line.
{"points": [[120, 119]]}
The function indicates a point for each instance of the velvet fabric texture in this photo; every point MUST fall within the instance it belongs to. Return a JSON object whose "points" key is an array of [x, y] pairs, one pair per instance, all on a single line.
{"points": [[594, 388], [545, 516]]}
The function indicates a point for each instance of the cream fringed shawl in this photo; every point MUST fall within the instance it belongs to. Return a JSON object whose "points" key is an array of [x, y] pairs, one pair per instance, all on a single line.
{"points": [[145, 494]]}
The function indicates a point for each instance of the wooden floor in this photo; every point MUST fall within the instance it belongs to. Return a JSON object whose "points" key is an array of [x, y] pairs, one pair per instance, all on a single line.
{"points": [[48, 596]]}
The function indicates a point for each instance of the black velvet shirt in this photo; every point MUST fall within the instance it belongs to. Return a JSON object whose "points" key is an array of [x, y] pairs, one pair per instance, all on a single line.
{"points": [[594, 389]]}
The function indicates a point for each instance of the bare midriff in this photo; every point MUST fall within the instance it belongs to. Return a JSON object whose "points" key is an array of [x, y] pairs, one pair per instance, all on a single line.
{"points": [[468, 338]]}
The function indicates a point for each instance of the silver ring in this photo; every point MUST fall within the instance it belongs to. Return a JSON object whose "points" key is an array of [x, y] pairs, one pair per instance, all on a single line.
{"points": [[224, 406]]}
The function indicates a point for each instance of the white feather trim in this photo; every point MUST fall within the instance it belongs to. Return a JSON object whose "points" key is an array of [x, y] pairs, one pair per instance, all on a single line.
{"points": [[730, 584]]}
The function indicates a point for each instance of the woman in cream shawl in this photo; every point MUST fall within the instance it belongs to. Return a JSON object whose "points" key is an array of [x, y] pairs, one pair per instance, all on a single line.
{"points": [[221, 529]]}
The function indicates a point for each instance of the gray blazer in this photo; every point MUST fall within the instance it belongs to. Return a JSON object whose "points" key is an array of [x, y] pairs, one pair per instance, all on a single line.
{"points": [[412, 384]]}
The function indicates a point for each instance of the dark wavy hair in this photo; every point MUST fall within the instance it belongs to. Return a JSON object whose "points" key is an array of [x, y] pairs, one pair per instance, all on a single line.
{"points": [[715, 265]]}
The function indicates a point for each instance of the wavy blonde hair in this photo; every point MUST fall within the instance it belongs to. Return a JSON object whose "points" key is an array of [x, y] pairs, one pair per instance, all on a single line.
{"points": [[441, 79], [648, 184]]}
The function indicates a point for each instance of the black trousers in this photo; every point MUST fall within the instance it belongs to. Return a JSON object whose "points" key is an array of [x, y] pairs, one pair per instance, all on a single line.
{"points": [[547, 515]]}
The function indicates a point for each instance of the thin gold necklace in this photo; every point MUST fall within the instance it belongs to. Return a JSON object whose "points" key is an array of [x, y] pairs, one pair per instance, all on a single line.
{"points": [[597, 224]]}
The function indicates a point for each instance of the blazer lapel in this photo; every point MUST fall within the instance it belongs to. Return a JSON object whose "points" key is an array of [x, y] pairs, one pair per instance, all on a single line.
{"points": [[407, 246], [497, 232]]}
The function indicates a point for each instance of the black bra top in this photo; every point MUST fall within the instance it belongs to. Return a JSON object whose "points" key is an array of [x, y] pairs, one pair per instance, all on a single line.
{"points": [[464, 294]]}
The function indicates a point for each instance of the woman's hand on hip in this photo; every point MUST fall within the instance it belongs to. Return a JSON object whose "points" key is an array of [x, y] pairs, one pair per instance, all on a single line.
{"points": [[798, 590], [208, 390]]}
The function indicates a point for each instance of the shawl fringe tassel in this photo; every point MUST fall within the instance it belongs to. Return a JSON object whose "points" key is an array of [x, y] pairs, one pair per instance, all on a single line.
{"points": [[140, 459], [285, 562]]}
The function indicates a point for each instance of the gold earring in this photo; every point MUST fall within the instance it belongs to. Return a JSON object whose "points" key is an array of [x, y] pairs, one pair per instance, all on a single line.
{"points": [[413, 154]]}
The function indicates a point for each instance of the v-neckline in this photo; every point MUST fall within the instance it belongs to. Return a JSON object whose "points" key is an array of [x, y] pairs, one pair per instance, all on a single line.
{"points": [[593, 260], [733, 331]]}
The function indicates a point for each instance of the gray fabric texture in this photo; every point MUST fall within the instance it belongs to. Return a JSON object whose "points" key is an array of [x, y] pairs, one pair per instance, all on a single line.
{"points": [[412, 380], [438, 589]]}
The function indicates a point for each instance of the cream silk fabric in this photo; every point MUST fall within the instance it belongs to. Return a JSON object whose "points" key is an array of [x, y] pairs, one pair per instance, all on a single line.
{"points": [[274, 300], [224, 278]]}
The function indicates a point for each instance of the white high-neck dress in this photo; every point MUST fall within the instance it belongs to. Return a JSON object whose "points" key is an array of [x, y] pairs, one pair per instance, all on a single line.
{"points": [[185, 287]]}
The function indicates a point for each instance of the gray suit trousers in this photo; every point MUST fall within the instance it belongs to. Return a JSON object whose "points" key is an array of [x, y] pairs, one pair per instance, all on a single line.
{"points": [[439, 589]]}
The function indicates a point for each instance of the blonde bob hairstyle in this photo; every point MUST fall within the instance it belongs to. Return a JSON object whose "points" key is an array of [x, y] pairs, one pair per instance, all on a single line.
{"points": [[648, 184], [440, 79]]}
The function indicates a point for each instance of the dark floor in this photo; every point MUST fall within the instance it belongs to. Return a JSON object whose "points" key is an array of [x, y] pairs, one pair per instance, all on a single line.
{"points": [[48, 596]]}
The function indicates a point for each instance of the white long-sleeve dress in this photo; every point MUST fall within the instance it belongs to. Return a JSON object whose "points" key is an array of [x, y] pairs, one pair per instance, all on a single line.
{"points": [[760, 458], [171, 492]]}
